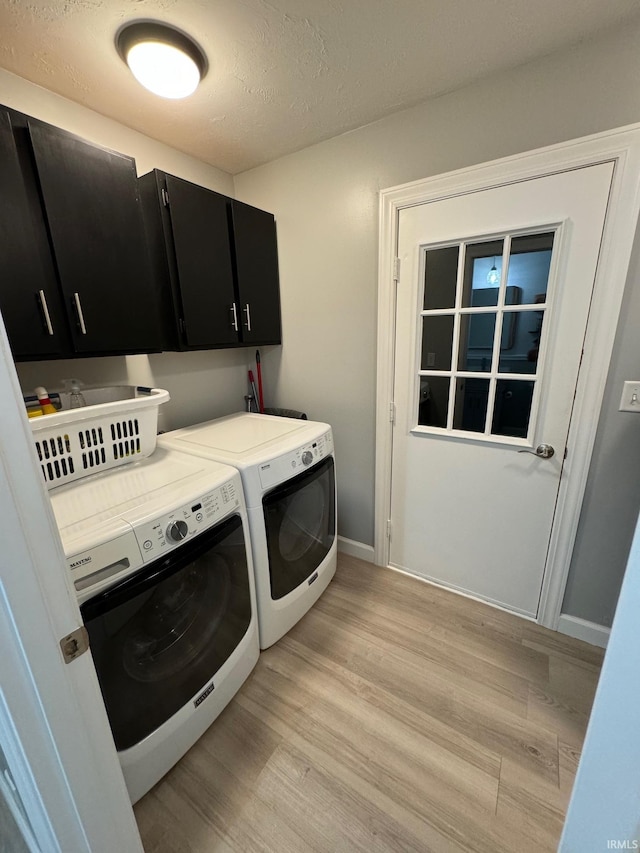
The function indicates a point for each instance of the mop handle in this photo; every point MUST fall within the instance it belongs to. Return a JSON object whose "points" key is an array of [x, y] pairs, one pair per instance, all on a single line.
{"points": [[259, 369]]}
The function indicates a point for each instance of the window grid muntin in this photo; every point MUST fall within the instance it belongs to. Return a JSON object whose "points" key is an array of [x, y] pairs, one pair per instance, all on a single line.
{"points": [[499, 310]]}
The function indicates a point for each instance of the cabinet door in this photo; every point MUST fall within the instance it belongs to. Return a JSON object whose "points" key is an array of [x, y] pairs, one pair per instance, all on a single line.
{"points": [[93, 212], [256, 256], [29, 296], [200, 227]]}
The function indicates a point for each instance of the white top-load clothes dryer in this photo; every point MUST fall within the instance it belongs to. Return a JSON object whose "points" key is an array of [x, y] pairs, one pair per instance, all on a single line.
{"points": [[288, 474], [159, 554]]}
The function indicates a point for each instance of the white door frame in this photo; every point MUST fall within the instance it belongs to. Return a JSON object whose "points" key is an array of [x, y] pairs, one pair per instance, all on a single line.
{"points": [[53, 724], [622, 146]]}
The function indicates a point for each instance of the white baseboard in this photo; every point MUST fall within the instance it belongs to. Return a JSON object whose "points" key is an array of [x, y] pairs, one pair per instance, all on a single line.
{"points": [[355, 549], [581, 629]]}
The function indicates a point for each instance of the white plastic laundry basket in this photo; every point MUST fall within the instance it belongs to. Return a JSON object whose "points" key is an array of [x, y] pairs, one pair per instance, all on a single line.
{"points": [[74, 443]]}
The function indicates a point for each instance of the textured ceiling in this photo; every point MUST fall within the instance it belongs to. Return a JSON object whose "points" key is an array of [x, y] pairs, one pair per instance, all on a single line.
{"points": [[284, 74]]}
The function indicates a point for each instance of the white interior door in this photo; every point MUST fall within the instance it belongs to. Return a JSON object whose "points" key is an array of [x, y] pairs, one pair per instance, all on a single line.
{"points": [[61, 786], [492, 305]]}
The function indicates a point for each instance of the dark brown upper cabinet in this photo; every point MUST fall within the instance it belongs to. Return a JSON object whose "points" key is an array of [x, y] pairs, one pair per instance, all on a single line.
{"points": [[256, 270], [218, 261], [79, 282], [29, 296]]}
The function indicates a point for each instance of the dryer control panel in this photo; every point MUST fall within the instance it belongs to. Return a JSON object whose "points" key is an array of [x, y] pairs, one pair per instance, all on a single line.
{"points": [[289, 464]]}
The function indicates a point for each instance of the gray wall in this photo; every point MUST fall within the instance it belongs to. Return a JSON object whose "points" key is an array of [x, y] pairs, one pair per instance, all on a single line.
{"points": [[326, 202], [611, 503]]}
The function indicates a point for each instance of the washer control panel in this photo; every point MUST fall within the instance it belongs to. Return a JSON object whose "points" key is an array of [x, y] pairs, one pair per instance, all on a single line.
{"points": [[166, 532], [289, 464]]}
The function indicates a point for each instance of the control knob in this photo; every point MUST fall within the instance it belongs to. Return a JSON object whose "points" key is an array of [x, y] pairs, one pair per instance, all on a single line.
{"points": [[177, 531], [307, 457]]}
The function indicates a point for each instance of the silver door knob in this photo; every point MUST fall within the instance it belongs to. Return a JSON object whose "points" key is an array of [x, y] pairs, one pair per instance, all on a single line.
{"points": [[544, 451]]}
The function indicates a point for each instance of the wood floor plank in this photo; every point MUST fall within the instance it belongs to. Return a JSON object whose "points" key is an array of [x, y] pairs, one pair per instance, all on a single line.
{"points": [[329, 814], [433, 725], [573, 683], [433, 605], [569, 758], [395, 716], [240, 743], [527, 743], [553, 711], [579, 653], [378, 743], [532, 804], [408, 673], [210, 803], [499, 667]]}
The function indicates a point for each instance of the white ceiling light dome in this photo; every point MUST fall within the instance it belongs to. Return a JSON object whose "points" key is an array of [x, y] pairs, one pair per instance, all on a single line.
{"points": [[162, 59]]}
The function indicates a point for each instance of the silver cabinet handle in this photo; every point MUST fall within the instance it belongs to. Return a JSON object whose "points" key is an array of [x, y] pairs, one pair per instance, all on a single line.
{"points": [[248, 313], [544, 451], [45, 311], [234, 322], [76, 299]]}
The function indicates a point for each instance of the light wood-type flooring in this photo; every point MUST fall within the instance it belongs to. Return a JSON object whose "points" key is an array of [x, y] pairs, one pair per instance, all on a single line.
{"points": [[395, 716]]}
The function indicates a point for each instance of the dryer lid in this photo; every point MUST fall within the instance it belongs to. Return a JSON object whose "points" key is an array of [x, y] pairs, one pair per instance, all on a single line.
{"points": [[240, 433]]}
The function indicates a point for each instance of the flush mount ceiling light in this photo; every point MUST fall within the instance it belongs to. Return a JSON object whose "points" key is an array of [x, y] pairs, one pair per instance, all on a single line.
{"points": [[164, 60]]}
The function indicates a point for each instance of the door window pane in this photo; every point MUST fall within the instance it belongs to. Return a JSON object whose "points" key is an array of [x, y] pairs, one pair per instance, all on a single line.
{"points": [[465, 314], [529, 266], [472, 397], [433, 403], [441, 273], [482, 274], [476, 341], [520, 341], [437, 342], [512, 407]]}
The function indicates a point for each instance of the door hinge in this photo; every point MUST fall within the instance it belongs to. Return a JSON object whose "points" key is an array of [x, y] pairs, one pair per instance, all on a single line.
{"points": [[392, 412], [388, 528], [396, 269], [165, 197], [74, 644]]}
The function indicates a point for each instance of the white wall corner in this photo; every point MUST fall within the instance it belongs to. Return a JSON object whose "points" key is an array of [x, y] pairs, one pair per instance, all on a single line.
{"points": [[355, 549], [581, 629]]}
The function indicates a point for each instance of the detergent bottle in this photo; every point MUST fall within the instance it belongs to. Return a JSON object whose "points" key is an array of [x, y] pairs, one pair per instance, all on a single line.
{"points": [[45, 402]]}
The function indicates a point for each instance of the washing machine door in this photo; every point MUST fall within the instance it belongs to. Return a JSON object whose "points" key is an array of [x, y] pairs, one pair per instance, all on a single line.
{"points": [[300, 523], [159, 637]]}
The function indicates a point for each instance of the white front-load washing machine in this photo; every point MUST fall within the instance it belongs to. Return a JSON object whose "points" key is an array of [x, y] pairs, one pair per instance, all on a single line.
{"points": [[159, 555], [288, 474]]}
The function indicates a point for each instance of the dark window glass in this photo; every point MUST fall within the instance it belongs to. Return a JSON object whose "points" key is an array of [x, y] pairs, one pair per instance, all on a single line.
{"points": [[472, 396], [529, 266], [512, 407], [482, 274], [476, 341], [441, 273], [433, 404], [437, 342], [521, 332]]}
